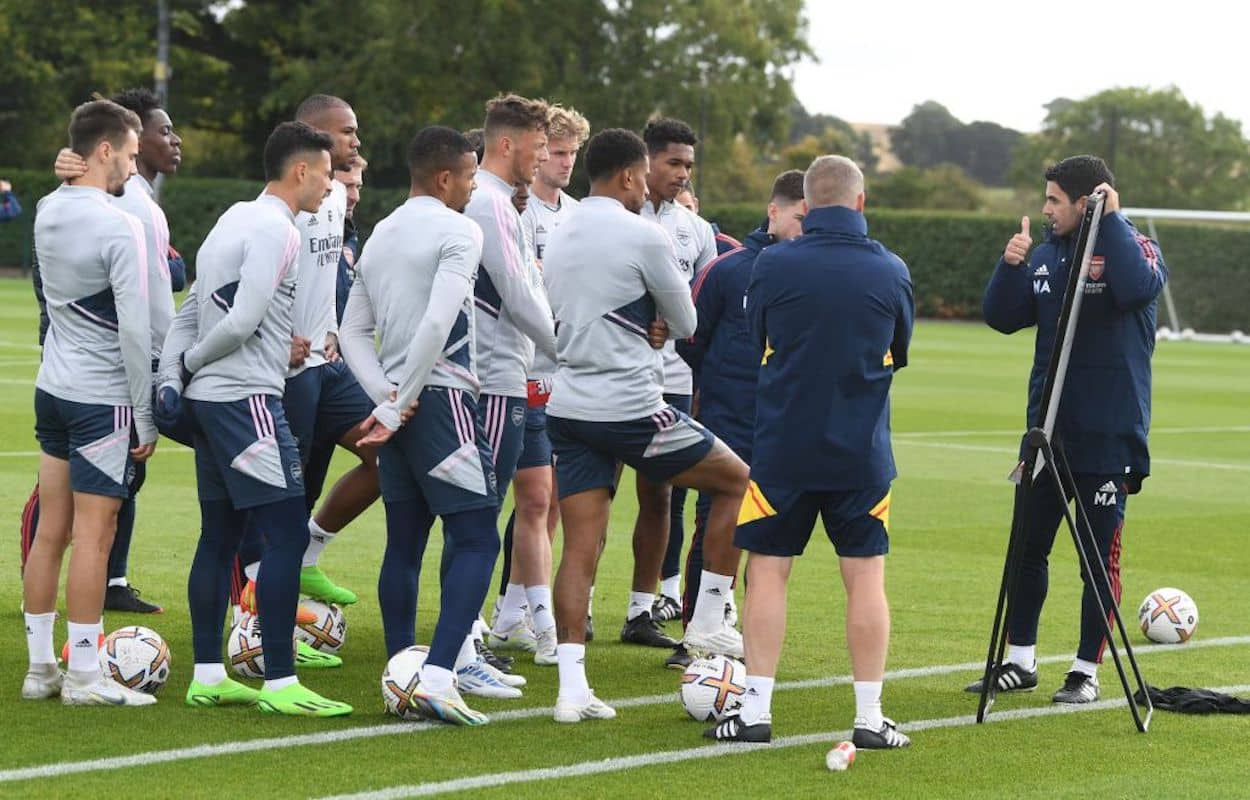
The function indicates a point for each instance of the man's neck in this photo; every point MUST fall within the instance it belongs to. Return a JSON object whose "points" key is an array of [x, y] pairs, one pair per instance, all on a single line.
{"points": [[286, 196], [498, 167], [149, 173], [548, 194], [655, 199], [92, 180]]}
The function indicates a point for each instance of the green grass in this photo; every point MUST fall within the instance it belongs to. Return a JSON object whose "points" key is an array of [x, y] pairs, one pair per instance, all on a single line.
{"points": [[957, 411]]}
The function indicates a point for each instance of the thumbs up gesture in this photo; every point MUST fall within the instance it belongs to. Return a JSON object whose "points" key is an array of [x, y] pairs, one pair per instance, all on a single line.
{"points": [[1018, 248]]}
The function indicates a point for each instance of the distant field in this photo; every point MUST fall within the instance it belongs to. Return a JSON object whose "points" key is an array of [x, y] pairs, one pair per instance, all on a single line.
{"points": [[957, 413]]}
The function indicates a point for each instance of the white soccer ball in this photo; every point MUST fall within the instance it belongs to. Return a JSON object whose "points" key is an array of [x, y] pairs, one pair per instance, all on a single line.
{"points": [[713, 687], [329, 632], [399, 679], [136, 657], [1168, 616], [243, 648]]}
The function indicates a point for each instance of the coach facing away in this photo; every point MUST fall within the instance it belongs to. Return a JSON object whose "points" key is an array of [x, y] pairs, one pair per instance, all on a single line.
{"points": [[832, 311], [1104, 414]]}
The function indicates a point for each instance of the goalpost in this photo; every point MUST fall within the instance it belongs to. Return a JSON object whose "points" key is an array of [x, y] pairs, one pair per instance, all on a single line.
{"points": [[1174, 329]]}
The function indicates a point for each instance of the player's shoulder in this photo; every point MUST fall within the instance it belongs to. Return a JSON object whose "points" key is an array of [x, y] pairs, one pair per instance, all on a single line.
{"points": [[457, 224]]}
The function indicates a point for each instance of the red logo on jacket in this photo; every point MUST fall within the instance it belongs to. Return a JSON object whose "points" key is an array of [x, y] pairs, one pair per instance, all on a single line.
{"points": [[1096, 264]]}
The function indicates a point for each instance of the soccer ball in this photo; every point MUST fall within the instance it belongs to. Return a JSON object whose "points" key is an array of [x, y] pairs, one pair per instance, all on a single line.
{"points": [[1168, 616], [136, 657], [713, 687], [243, 648], [329, 632], [400, 677]]}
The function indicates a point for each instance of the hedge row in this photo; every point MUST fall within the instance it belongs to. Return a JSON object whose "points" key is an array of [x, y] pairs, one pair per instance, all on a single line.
{"points": [[950, 253]]}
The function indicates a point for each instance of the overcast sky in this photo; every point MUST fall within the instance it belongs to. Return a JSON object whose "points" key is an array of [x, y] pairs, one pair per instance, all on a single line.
{"points": [[990, 61]]}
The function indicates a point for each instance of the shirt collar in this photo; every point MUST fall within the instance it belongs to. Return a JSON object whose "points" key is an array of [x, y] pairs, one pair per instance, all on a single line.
{"points": [[835, 219], [277, 202], [758, 239], [599, 199]]}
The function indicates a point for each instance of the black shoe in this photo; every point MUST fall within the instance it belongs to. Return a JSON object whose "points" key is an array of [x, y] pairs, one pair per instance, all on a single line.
{"points": [[886, 737], [501, 663], [732, 729], [665, 608], [590, 629], [1077, 688], [126, 598], [644, 630], [1009, 678], [680, 659]]}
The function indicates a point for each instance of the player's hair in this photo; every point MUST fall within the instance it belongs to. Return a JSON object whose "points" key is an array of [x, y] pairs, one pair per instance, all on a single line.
{"points": [[434, 149], [511, 112], [567, 123], [832, 181], [663, 131], [613, 150], [477, 138], [788, 188], [139, 100], [315, 105], [98, 120], [1078, 176], [291, 139]]}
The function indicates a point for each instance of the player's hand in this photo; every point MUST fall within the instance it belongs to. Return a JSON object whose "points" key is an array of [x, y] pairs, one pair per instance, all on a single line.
{"points": [[409, 412], [1018, 247], [301, 346], [375, 433], [332, 347], [5, 186], [69, 165], [657, 334], [1111, 200], [143, 452]]}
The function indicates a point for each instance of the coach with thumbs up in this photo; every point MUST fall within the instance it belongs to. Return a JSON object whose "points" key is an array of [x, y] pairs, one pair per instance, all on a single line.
{"points": [[1104, 413]]}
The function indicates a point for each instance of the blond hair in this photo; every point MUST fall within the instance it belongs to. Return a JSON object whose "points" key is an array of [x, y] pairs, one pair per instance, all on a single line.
{"points": [[567, 123]]}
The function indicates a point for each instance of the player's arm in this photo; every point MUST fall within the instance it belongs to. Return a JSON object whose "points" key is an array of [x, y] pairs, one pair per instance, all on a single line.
{"points": [[1134, 272], [759, 292], [667, 287], [1008, 304], [458, 258], [709, 305], [36, 278], [267, 254], [523, 298], [904, 319], [707, 249], [126, 253], [177, 270], [183, 331], [356, 340], [9, 207]]}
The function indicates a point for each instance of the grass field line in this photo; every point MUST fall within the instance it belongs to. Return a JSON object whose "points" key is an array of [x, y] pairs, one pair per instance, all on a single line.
{"points": [[1012, 451], [620, 763], [974, 433], [231, 748]]}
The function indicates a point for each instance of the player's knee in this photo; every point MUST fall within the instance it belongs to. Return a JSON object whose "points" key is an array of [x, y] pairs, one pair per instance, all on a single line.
{"points": [[532, 500]]}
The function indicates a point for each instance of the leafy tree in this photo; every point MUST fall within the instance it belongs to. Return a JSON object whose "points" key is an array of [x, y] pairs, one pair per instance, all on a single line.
{"points": [[931, 135], [945, 186]]}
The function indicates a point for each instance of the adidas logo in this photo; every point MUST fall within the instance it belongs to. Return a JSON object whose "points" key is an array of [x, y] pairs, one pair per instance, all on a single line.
{"points": [[1108, 487], [715, 590], [82, 643], [539, 608], [29, 632], [1042, 271]]}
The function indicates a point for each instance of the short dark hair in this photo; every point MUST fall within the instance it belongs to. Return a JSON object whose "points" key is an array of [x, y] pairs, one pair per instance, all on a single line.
{"points": [[477, 139], [1078, 176], [788, 188], [314, 105], [288, 140], [97, 120], [139, 100], [434, 149], [612, 150], [663, 131], [511, 111]]}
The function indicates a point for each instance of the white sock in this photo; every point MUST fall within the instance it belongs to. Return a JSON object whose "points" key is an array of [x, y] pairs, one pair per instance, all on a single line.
{"points": [[119, 581], [671, 587], [84, 646], [278, 684], [467, 654], [757, 703], [868, 705], [638, 603], [539, 598], [494, 614], [512, 612], [439, 680], [210, 674], [318, 538], [709, 606], [571, 659], [590, 602], [250, 571], [1023, 656], [39, 638], [1088, 667]]}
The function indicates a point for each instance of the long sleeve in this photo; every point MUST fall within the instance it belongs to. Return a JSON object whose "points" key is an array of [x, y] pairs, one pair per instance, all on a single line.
{"points": [[1135, 272], [182, 334], [522, 297], [265, 259], [37, 279], [1008, 304], [757, 302], [669, 289], [177, 270], [9, 207], [903, 322], [356, 342], [126, 255], [709, 303]]}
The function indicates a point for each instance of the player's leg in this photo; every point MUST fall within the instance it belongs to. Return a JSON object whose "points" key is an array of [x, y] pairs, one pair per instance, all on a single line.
{"points": [[408, 524], [649, 541], [681, 658], [668, 601], [530, 565], [1105, 500], [42, 575], [120, 595], [30, 522]]}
